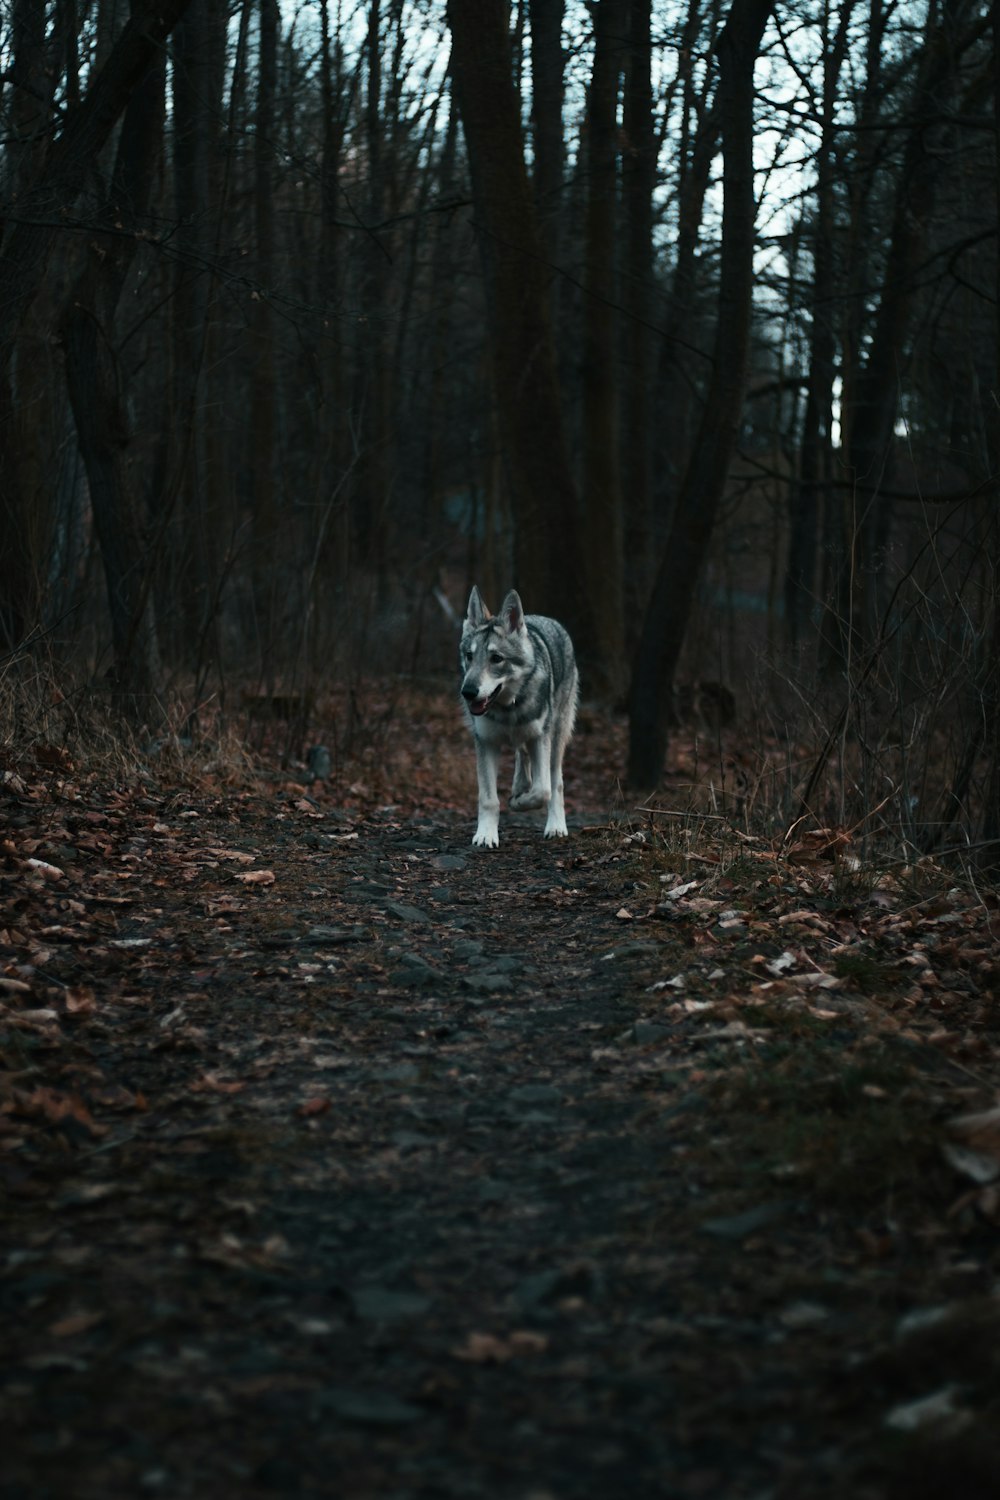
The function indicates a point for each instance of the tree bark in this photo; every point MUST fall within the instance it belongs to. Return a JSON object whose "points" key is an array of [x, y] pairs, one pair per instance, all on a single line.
{"points": [[873, 403], [638, 182], [71, 160], [707, 471], [678, 384], [371, 495], [548, 136], [265, 500], [602, 493], [990, 856], [26, 384], [815, 450], [547, 554], [187, 577], [96, 385]]}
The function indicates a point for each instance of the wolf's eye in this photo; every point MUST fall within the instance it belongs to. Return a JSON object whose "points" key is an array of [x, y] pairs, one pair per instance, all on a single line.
{"points": [[496, 660]]}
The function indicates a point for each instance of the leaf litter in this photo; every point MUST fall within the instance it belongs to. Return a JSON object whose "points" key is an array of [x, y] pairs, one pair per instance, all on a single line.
{"points": [[328, 1182]]}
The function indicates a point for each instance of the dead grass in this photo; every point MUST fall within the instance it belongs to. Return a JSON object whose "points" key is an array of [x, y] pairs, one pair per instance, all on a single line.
{"points": [[851, 1123]]}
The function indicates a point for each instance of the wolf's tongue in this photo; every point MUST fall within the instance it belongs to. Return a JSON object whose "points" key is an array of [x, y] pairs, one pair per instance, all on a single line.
{"points": [[482, 704]]}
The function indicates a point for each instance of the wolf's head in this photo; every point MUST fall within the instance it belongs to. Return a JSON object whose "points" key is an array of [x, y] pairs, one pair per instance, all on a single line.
{"points": [[493, 653]]}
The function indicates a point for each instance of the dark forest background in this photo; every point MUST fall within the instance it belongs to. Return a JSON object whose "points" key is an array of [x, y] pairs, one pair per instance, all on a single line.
{"points": [[679, 317]]}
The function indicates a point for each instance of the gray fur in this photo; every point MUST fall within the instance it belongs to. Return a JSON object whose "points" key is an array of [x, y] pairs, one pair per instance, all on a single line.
{"points": [[519, 690]]}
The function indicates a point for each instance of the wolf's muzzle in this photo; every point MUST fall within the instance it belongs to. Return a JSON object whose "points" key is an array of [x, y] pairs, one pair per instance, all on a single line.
{"points": [[477, 704]]}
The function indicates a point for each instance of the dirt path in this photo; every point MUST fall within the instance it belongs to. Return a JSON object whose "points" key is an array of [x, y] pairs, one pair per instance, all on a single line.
{"points": [[393, 1178]]}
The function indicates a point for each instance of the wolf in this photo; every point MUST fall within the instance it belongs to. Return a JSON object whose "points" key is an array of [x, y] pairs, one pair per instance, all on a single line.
{"points": [[519, 689]]}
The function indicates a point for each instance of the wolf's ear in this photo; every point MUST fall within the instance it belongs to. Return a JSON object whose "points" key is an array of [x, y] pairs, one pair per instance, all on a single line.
{"points": [[512, 612], [477, 613]]}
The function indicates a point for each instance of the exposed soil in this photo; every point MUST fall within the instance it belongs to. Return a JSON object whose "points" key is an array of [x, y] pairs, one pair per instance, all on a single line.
{"points": [[429, 1171]]}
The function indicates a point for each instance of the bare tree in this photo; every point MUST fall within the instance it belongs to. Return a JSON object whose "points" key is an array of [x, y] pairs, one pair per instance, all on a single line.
{"points": [[547, 561], [638, 182], [548, 131], [708, 467], [601, 457], [186, 492], [816, 443], [265, 495], [97, 389], [51, 178]]}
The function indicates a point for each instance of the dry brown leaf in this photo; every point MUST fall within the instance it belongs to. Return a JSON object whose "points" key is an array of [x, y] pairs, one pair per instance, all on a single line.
{"points": [[80, 1000], [80, 1322], [487, 1348], [211, 1083], [50, 1104], [318, 1105]]}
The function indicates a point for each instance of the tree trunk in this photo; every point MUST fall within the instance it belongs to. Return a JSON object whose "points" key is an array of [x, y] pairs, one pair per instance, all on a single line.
{"points": [[332, 456], [638, 181], [543, 499], [268, 559], [678, 383], [187, 575], [707, 471], [96, 385], [71, 160], [815, 452], [601, 481], [26, 385], [990, 856], [372, 490], [870, 414], [548, 135]]}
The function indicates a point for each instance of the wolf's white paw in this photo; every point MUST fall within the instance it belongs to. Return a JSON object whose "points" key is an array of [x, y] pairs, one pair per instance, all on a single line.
{"points": [[529, 801], [556, 831], [486, 838]]}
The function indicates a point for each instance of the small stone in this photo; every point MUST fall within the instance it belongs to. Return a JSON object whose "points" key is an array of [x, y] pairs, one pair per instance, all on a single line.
{"points": [[335, 935], [449, 862], [415, 972], [379, 1304], [487, 984], [372, 1408], [649, 1031], [535, 1093], [468, 948], [740, 1226], [802, 1315], [404, 913]]}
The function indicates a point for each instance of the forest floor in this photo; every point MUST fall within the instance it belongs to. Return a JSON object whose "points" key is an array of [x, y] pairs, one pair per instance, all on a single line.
{"points": [[338, 1157]]}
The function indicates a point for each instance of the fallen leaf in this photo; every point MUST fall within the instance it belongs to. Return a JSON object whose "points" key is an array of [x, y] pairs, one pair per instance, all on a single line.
{"points": [[487, 1348], [80, 1000], [51, 1105], [211, 1083], [318, 1105], [79, 1322], [912, 1416]]}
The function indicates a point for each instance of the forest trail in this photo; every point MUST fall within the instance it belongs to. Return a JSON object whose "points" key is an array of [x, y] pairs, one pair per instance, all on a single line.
{"points": [[362, 1163]]}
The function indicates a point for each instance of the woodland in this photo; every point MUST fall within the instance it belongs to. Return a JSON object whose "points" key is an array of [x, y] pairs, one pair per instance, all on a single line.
{"points": [[680, 319], [341, 1158]]}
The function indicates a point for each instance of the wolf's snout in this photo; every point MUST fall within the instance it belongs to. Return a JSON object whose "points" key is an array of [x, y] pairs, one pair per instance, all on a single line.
{"points": [[469, 692]]}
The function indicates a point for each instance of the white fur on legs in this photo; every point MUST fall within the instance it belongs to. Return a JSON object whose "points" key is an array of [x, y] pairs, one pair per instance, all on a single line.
{"points": [[555, 823], [539, 789], [487, 831]]}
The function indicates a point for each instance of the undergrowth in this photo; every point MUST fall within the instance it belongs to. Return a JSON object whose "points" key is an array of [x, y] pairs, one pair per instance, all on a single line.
{"points": [[851, 1124]]}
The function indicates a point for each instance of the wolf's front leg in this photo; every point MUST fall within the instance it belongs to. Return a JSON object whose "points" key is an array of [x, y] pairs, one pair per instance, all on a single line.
{"points": [[487, 766], [555, 823], [538, 790]]}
